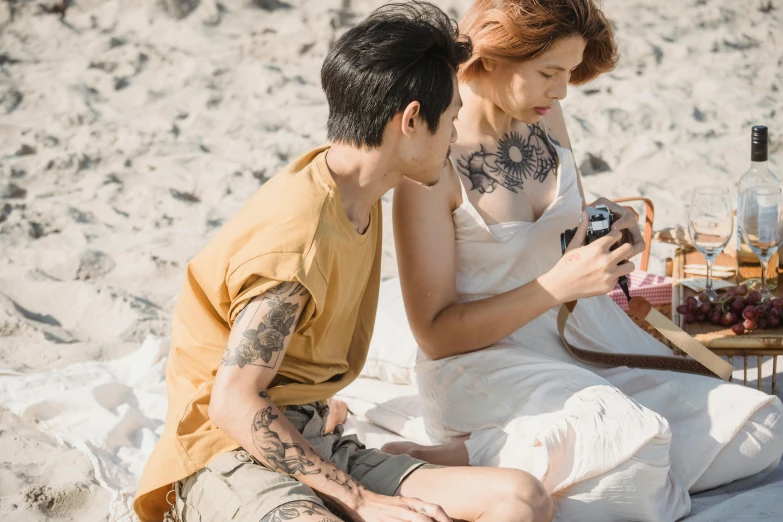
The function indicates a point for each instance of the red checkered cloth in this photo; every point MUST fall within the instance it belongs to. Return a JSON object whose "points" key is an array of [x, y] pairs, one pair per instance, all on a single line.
{"points": [[655, 288]]}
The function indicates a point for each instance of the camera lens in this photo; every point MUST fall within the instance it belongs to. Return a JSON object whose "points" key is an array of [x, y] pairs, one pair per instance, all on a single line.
{"points": [[566, 237]]}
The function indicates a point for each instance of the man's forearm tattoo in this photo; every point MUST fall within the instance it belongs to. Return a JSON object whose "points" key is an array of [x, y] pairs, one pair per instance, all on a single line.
{"points": [[516, 160], [343, 479], [274, 452], [290, 458], [260, 346], [297, 508]]}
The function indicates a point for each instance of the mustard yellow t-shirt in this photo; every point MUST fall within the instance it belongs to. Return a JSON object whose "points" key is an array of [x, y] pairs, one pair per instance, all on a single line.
{"points": [[293, 229]]}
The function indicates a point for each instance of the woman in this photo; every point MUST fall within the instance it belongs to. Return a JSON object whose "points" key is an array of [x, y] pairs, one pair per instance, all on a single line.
{"points": [[483, 275]]}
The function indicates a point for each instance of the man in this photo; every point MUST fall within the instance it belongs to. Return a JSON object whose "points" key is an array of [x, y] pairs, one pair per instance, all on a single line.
{"points": [[276, 313]]}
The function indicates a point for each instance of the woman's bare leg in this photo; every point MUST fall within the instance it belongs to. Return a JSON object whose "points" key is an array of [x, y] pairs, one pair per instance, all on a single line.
{"points": [[481, 494], [452, 453]]}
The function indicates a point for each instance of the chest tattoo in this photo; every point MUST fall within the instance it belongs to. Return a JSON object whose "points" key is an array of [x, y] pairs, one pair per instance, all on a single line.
{"points": [[516, 160]]}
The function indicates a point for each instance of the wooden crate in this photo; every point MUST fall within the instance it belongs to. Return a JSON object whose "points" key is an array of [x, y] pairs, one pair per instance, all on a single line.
{"points": [[719, 339]]}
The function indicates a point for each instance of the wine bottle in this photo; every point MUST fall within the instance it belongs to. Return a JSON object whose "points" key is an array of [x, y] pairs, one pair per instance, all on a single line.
{"points": [[758, 175]]}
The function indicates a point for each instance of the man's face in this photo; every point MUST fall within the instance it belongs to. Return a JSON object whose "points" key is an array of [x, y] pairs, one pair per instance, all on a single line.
{"points": [[431, 151]]}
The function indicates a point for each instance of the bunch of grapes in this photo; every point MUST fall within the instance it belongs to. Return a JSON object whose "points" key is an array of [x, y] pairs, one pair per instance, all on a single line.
{"points": [[739, 308]]}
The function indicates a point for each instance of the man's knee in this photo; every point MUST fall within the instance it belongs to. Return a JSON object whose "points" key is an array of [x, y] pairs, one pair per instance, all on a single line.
{"points": [[301, 511], [520, 497]]}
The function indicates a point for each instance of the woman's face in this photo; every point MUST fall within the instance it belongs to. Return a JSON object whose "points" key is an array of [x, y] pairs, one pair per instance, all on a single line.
{"points": [[526, 90]]}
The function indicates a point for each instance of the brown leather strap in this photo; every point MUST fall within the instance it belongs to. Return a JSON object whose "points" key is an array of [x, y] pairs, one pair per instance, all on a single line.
{"points": [[704, 362]]}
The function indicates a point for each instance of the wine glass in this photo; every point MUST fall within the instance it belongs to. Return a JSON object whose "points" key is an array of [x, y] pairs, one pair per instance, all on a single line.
{"points": [[761, 226], [710, 222]]}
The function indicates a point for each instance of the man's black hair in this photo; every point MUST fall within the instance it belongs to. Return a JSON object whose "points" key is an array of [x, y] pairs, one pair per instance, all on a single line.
{"points": [[399, 54]]}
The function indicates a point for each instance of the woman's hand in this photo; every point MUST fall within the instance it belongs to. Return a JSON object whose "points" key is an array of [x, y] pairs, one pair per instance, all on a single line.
{"points": [[587, 271], [625, 220]]}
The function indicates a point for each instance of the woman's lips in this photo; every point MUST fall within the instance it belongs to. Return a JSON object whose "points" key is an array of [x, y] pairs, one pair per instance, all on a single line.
{"points": [[542, 110]]}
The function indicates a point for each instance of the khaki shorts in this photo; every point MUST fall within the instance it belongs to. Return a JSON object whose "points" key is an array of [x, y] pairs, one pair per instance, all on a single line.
{"points": [[236, 487]]}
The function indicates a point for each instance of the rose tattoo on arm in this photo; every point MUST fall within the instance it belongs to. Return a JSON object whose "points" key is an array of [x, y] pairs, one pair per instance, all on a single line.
{"points": [[261, 345]]}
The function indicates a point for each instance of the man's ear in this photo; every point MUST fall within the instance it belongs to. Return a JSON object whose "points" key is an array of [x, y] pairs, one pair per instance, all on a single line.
{"points": [[488, 63], [409, 118]]}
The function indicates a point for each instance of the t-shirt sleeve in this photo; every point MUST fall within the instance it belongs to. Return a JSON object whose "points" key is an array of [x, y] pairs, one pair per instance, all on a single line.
{"points": [[260, 274]]}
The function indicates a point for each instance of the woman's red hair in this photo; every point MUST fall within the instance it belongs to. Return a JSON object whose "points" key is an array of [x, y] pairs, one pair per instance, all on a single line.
{"points": [[512, 31]]}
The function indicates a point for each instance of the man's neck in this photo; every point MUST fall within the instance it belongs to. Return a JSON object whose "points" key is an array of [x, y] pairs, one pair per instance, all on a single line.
{"points": [[479, 116], [362, 176]]}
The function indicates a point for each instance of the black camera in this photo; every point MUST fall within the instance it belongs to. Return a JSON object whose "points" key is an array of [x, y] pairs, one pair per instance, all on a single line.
{"points": [[600, 224]]}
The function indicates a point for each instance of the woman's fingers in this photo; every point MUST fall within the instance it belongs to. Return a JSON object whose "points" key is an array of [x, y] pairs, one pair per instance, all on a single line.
{"points": [[621, 253], [608, 241], [624, 268], [581, 231]]}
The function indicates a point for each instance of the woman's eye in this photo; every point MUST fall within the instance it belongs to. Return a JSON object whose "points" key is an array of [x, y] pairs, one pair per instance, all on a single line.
{"points": [[547, 76]]}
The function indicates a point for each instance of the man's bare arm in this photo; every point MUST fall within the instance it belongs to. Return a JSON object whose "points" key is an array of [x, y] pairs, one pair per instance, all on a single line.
{"points": [[241, 407]]}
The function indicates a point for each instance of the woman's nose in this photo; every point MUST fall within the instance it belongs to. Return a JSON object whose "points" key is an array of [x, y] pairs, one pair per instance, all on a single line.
{"points": [[558, 91]]}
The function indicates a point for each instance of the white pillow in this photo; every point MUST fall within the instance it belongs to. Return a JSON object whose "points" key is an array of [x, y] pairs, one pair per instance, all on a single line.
{"points": [[393, 349]]}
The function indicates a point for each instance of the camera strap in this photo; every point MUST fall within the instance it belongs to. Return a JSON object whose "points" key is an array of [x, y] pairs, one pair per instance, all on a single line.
{"points": [[703, 361]]}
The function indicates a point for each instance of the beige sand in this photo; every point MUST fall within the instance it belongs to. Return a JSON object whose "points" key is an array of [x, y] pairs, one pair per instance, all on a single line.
{"points": [[128, 136]]}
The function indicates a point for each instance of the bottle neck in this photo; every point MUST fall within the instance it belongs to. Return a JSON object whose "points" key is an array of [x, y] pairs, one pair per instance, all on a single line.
{"points": [[759, 165], [758, 152]]}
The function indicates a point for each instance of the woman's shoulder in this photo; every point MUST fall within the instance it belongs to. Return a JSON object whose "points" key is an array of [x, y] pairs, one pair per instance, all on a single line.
{"points": [[445, 193], [556, 127]]}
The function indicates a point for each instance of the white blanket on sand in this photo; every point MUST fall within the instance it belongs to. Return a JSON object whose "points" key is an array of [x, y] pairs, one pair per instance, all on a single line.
{"points": [[114, 410]]}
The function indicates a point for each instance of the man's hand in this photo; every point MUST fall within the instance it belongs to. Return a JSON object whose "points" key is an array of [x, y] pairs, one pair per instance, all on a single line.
{"points": [[625, 220], [338, 414], [380, 508]]}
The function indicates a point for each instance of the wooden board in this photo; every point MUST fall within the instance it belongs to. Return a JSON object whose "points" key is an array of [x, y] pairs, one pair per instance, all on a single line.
{"points": [[717, 336]]}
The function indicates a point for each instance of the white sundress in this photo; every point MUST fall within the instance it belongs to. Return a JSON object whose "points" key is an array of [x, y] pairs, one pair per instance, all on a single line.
{"points": [[608, 443]]}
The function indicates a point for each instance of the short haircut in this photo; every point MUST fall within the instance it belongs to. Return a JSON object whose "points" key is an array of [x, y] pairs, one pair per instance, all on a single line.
{"points": [[512, 31], [401, 53]]}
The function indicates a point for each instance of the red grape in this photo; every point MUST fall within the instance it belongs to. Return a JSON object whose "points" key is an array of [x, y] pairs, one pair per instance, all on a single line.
{"points": [[774, 312], [762, 322], [737, 305], [691, 301], [777, 303], [704, 298], [690, 317], [682, 309], [742, 290], [738, 329], [715, 318], [727, 319], [706, 308], [774, 321], [750, 313], [753, 297], [749, 324]]}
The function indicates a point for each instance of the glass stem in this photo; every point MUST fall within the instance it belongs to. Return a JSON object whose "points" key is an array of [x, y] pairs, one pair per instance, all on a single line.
{"points": [[764, 267], [710, 260]]}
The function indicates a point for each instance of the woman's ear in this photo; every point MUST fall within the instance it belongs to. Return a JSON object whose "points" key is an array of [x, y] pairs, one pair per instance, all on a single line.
{"points": [[409, 115], [488, 63]]}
